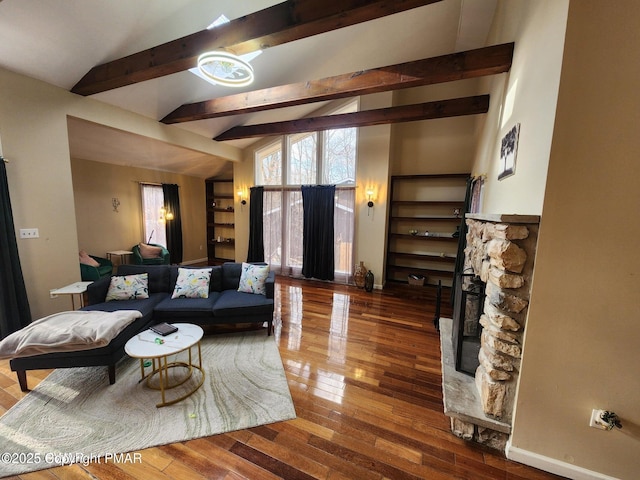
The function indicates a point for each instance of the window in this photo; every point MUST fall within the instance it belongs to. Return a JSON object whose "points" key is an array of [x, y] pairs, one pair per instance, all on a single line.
{"points": [[269, 165], [327, 157], [153, 214], [303, 159]]}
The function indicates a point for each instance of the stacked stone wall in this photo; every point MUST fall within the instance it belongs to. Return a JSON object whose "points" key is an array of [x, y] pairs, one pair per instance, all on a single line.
{"points": [[502, 255]]}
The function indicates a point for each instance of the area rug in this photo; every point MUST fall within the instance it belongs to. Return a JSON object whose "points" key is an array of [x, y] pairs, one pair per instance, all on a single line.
{"points": [[74, 415]]}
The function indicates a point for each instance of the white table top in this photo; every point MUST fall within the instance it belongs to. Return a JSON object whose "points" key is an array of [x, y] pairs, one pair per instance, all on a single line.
{"points": [[120, 252], [144, 345], [72, 289]]}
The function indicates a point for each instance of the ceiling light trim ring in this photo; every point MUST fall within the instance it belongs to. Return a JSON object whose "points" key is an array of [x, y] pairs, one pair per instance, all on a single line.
{"points": [[225, 69]]}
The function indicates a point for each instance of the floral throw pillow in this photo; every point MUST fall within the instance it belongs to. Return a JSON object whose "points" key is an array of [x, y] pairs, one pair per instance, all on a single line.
{"points": [[252, 278], [128, 287], [192, 283]]}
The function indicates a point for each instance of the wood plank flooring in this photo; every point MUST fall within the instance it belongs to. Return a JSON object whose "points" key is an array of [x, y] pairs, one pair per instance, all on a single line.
{"points": [[364, 373]]}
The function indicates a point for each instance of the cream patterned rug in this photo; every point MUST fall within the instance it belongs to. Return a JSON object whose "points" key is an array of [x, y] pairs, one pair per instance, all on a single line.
{"points": [[74, 415]]}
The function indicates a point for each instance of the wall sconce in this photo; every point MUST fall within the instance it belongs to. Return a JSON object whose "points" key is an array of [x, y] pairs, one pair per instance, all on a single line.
{"points": [[164, 215], [369, 200], [115, 203], [240, 199]]}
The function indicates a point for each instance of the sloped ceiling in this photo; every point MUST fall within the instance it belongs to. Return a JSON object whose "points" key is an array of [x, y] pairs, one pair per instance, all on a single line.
{"points": [[59, 41]]}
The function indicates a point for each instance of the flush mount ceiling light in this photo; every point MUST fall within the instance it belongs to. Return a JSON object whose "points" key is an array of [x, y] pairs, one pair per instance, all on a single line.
{"points": [[225, 68]]}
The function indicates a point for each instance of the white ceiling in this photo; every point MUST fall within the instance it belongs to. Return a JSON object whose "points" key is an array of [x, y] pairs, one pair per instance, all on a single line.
{"points": [[58, 41]]}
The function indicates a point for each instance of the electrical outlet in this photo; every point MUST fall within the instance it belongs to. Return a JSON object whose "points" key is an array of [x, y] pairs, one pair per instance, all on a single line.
{"points": [[29, 233], [596, 420]]}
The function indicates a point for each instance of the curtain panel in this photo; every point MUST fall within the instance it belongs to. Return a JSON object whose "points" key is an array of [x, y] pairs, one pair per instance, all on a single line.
{"points": [[256, 225], [173, 227], [318, 204], [14, 305]]}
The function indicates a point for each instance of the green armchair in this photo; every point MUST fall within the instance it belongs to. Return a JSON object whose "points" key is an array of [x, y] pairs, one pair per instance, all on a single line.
{"points": [[91, 273], [150, 254]]}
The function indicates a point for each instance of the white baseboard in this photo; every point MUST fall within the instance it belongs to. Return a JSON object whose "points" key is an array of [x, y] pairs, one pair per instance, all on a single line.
{"points": [[198, 260], [552, 465]]}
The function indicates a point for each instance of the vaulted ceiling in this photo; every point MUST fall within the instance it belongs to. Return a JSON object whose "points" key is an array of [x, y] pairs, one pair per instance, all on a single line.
{"points": [[313, 51]]}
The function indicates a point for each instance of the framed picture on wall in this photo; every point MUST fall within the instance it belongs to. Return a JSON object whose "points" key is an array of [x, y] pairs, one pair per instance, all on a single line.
{"points": [[508, 152]]}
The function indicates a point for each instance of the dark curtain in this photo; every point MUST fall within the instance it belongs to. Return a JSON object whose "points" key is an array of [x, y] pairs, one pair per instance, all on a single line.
{"points": [[462, 239], [318, 237], [173, 227], [256, 235], [14, 305]]}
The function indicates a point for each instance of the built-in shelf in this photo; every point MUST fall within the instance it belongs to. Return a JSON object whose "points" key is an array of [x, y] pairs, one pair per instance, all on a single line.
{"points": [[220, 220], [432, 206], [447, 237]]}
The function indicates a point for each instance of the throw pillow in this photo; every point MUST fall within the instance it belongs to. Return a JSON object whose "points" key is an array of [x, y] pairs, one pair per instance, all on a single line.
{"points": [[128, 287], [86, 259], [192, 283], [252, 278], [149, 251]]}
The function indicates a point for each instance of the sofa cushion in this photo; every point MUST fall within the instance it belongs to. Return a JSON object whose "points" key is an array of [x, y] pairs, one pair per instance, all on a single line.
{"points": [[149, 251], [192, 283], [144, 306], [232, 303], [158, 275], [186, 307], [252, 278], [86, 259], [215, 284], [231, 272], [128, 287]]}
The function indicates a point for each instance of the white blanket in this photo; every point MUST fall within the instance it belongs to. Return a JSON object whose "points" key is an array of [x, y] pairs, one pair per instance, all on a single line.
{"points": [[67, 332]]}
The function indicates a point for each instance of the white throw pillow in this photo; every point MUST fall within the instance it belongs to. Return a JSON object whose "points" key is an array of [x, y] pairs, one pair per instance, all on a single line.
{"points": [[128, 287], [192, 283], [253, 278]]}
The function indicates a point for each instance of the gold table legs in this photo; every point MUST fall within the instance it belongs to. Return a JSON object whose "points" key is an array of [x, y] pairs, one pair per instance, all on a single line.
{"points": [[160, 368]]}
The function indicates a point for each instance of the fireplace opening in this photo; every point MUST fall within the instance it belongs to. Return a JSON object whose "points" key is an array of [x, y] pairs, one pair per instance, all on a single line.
{"points": [[468, 306]]}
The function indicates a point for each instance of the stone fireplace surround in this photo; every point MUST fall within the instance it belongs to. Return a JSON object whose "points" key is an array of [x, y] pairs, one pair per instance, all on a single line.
{"points": [[500, 249]]}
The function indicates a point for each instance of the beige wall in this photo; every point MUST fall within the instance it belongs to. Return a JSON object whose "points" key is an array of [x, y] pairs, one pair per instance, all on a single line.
{"points": [[374, 145], [101, 229], [581, 347], [444, 145], [33, 128], [243, 179], [526, 95]]}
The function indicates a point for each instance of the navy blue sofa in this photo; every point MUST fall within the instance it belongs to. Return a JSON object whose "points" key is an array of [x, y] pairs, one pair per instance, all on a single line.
{"points": [[225, 305]]}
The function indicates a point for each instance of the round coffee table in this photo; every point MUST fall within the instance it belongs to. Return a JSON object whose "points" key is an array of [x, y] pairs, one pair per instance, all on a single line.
{"points": [[148, 345]]}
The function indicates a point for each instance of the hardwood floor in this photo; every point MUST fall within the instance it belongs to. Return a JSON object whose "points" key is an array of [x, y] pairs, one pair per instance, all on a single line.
{"points": [[364, 373]]}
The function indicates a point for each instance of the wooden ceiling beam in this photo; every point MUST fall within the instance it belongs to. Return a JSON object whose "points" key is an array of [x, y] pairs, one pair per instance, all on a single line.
{"points": [[285, 22], [406, 113], [445, 68]]}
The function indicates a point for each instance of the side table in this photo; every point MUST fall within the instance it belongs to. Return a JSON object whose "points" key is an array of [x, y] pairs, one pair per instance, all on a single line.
{"points": [[119, 253], [73, 289], [154, 347]]}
